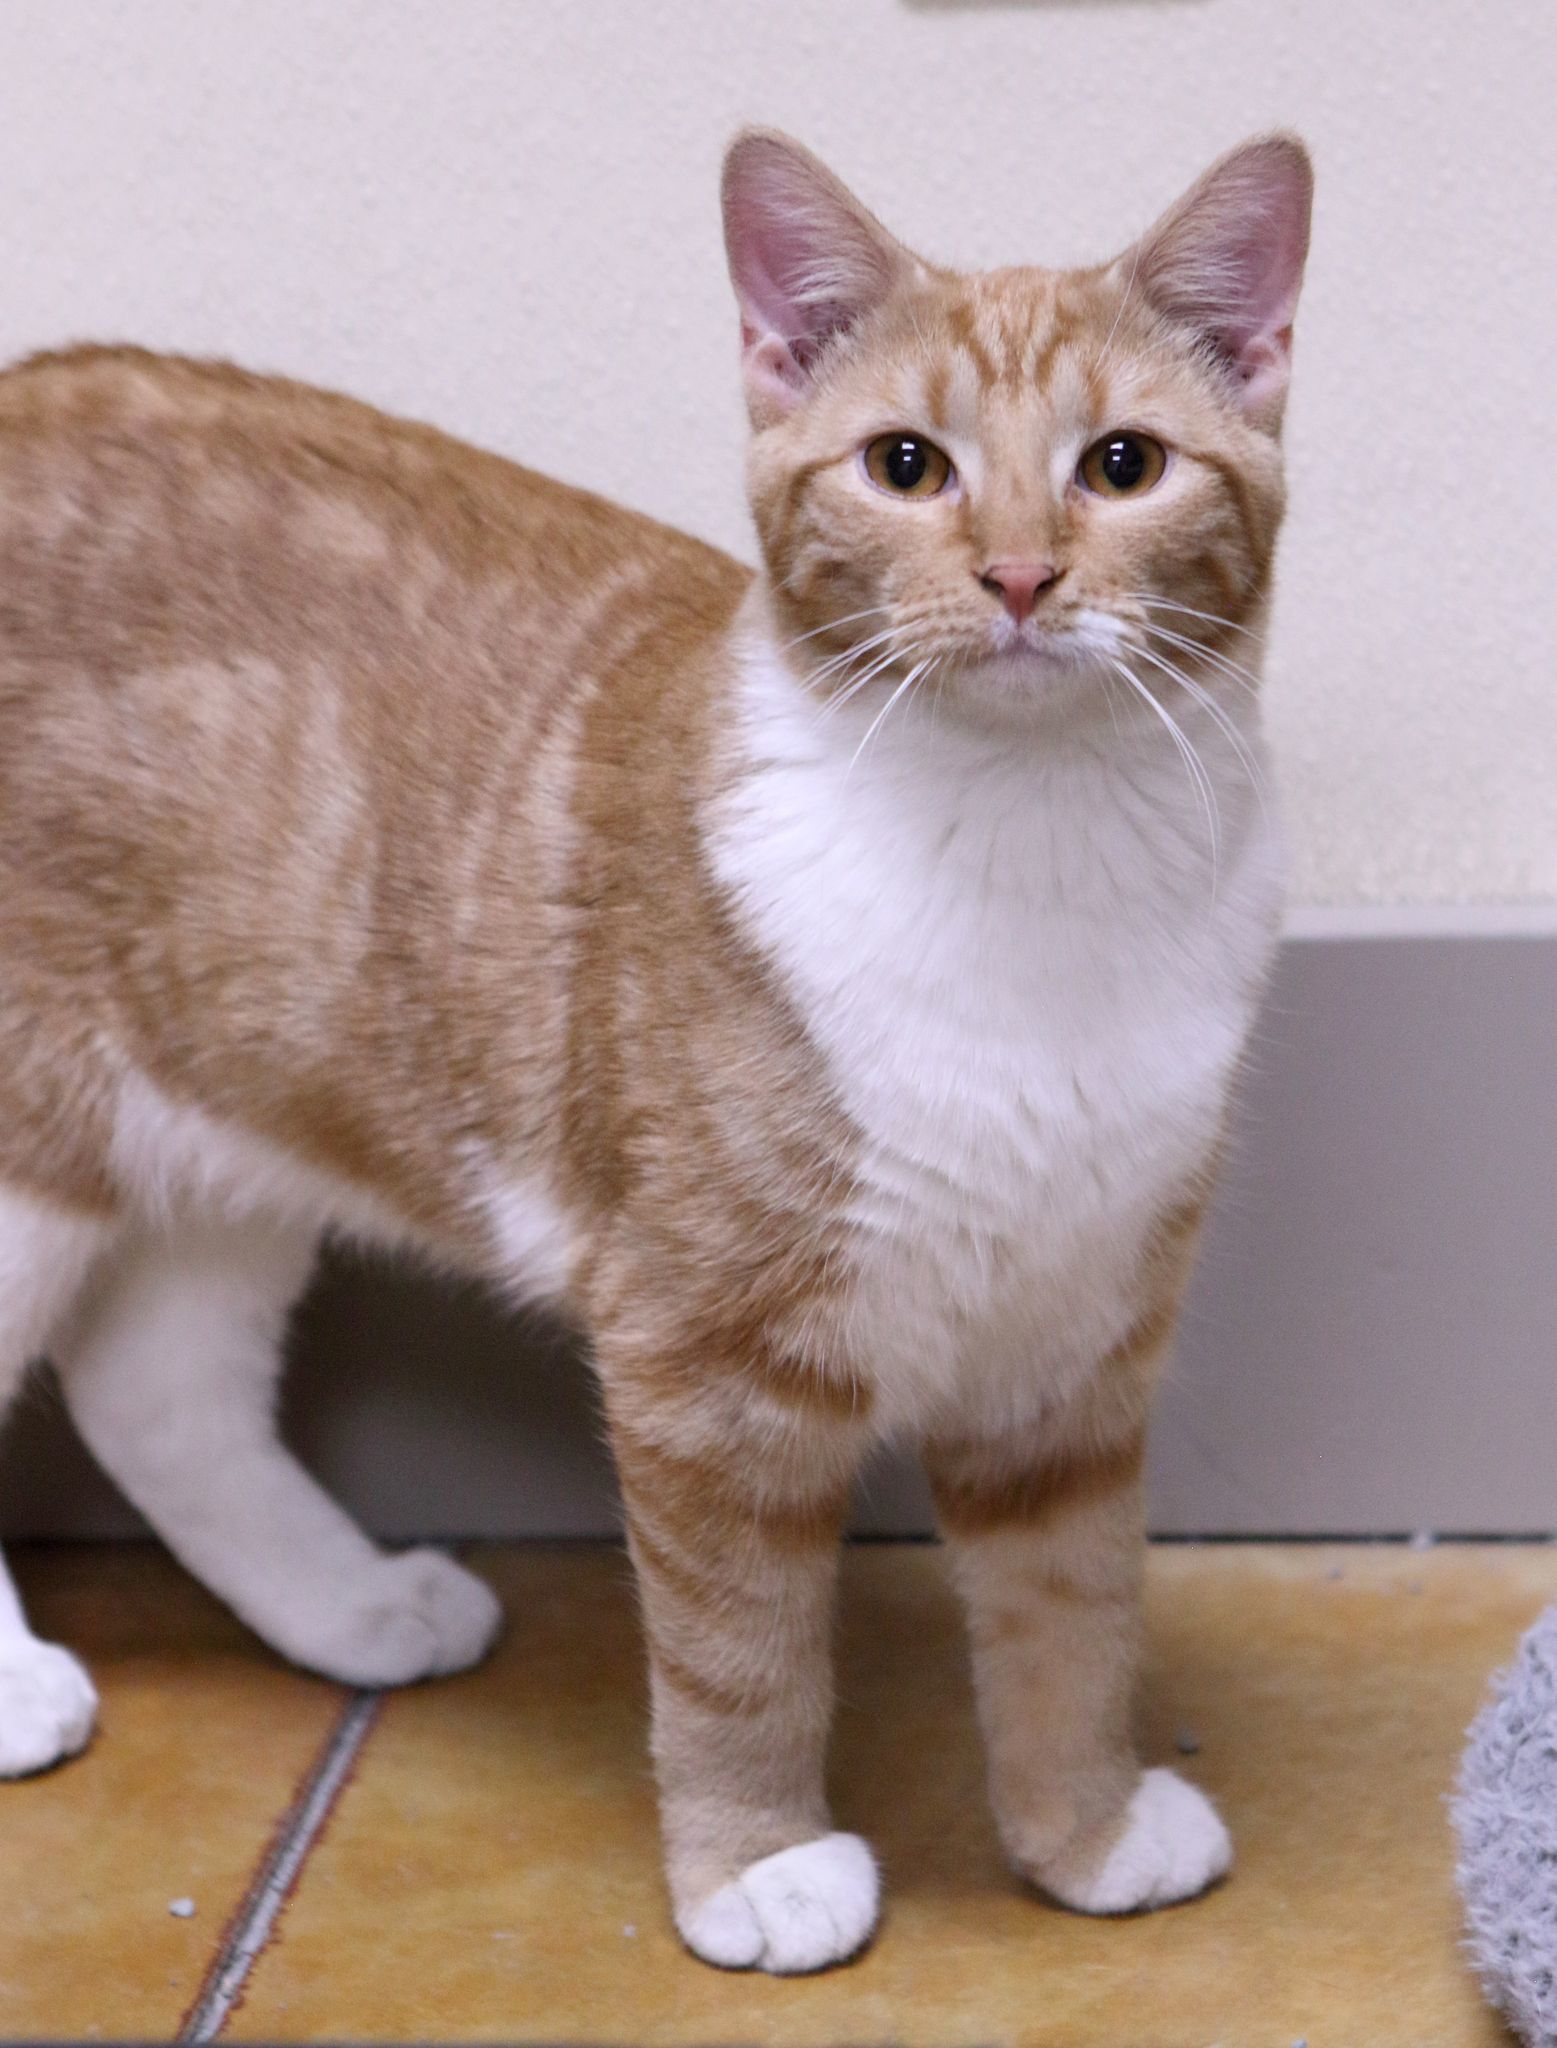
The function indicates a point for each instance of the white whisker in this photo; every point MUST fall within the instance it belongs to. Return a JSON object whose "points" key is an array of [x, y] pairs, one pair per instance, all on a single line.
{"points": [[1192, 762], [849, 656], [1149, 598], [1113, 715], [906, 684], [1108, 339], [833, 625], [938, 673], [858, 683], [1219, 718], [1245, 678]]}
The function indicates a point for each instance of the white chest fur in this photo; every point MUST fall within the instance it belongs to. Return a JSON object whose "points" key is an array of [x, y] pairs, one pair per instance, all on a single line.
{"points": [[1030, 988]]}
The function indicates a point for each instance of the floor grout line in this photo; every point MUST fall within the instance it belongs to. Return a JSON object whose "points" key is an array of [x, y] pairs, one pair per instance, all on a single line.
{"points": [[280, 1869]]}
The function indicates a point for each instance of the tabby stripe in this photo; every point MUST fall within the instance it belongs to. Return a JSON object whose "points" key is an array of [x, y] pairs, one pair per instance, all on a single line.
{"points": [[973, 1503]]}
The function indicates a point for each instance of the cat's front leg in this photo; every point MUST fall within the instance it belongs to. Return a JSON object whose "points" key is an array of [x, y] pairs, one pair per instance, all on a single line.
{"points": [[1048, 1548], [734, 1513]]}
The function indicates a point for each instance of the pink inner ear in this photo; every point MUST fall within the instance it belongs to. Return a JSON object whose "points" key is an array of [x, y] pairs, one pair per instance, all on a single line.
{"points": [[771, 261], [806, 261], [1267, 272], [753, 244], [773, 365], [1229, 258]]}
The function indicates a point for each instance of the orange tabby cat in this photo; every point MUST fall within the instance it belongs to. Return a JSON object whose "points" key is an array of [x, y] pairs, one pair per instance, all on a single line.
{"points": [[825, 985]]}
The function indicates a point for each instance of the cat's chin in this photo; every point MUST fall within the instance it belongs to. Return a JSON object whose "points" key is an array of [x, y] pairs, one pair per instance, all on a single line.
{"points": [[1031, 687], [1039, 664]]}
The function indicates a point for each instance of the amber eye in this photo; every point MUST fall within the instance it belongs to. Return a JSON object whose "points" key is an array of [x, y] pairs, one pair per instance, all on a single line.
{"points": [[907, 465], [1123, 465]]}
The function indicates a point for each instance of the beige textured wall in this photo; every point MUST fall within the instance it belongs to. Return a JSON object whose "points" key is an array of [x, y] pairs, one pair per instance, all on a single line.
{"points": [[500, 214]]}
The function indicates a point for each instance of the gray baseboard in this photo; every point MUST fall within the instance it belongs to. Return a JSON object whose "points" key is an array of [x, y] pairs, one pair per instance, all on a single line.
{"points": [[1370, 1345]]}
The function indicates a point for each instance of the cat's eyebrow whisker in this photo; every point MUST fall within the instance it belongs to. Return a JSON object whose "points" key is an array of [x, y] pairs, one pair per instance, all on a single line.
{"points": [[1200, 780], [1108, 339]]}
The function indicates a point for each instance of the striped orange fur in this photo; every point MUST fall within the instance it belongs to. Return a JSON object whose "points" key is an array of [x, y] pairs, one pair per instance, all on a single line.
{"points": [[825, 984]]}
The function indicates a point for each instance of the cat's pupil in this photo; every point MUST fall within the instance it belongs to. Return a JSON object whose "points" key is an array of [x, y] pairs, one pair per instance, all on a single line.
{"points": [[1124, 462], [905, 464]]}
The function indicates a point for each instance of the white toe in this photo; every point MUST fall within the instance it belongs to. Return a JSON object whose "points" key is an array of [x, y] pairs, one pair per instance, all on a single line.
{"points": [[47, 1707], [1173, 1846], [724, 1930], [799, 1910], [415, 1615], [462, 1611]]}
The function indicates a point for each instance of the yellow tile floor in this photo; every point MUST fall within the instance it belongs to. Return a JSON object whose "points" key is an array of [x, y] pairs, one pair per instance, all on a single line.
{"points": [[476, 1859]]}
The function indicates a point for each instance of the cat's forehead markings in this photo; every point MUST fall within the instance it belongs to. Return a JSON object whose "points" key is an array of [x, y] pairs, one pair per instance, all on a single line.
{"points": [[959, 390], [1007, 326], [1069, 382], [913, 389], [937, 390], [965, 332]]}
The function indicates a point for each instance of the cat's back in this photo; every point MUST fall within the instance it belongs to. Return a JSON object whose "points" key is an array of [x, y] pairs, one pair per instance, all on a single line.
{"points": [[129, 475], [242, 617]]}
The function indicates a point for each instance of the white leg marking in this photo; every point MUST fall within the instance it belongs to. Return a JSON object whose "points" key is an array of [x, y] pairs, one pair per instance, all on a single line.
{"points": [[415, 1615], [1173, 1846], [172, 1382], [799, 1910], [47, 1705]]}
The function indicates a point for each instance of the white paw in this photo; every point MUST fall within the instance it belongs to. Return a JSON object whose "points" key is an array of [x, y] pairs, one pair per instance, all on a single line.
{"points": [[1173, 1846], [799, 1910], [47, 1707], [417, 1615]]}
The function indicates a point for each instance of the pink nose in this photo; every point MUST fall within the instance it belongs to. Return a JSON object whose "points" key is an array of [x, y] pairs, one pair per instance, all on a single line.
{"points": [[1018, 584]]}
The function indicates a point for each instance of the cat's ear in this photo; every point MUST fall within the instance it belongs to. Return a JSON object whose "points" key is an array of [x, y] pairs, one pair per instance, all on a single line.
{"points": [[807, 262], [1227, 261]]}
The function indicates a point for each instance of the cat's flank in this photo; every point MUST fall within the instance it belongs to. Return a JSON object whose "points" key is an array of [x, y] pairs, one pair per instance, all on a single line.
{"points": [[825, 984]]}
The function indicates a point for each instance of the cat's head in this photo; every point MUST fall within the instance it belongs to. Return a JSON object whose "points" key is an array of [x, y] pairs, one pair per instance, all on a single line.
{"points": [[1008, 484]]}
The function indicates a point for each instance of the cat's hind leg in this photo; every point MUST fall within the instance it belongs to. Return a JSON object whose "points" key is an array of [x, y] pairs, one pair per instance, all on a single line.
{"points": [[172, 1380], [47, 1704]]}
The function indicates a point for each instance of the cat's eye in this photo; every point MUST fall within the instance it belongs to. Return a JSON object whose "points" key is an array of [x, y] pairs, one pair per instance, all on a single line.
{"points": [[1123, 465], [907, 465]]}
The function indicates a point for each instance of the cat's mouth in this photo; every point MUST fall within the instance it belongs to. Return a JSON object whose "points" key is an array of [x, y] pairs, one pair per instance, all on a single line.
{"points": [[1031, 648], [1048, 671]]}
